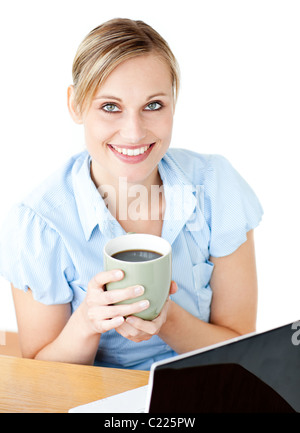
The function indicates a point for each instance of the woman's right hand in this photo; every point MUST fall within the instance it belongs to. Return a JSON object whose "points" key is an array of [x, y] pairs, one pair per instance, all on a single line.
{"points": [[100, 311]]}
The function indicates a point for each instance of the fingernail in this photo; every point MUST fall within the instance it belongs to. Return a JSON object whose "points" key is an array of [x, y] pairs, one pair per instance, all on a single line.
{"points": [[144, 304], [119, 320], [118, 274], [139, 290]]}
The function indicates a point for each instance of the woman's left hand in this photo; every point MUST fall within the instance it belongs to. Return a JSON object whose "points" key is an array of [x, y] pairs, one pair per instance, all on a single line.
{"points": [[137, 330]]}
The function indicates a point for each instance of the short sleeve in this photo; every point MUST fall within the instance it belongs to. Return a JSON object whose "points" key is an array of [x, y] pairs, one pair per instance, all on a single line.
{"points": [[232, 208], [32, 255]]}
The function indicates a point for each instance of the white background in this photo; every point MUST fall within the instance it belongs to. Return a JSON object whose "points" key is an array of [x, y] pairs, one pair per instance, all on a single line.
{"points": [[240, 97]]}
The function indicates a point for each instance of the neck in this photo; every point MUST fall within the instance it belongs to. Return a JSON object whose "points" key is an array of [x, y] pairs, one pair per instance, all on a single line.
{"points": [[133, 201]]}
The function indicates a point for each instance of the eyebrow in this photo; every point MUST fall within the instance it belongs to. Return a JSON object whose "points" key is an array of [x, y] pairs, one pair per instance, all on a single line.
{"points": [[110, 97]]}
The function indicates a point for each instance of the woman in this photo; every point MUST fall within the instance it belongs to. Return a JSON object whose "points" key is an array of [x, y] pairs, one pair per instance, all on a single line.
{"points": [[124, 94]]}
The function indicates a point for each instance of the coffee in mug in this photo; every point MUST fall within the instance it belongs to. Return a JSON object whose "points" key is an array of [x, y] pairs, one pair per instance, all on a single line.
{"points": [[136, 255], [146, 260]]}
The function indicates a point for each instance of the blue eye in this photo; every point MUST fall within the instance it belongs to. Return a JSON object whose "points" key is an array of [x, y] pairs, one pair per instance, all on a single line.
{"points": [[154, 106], [110, 108]]}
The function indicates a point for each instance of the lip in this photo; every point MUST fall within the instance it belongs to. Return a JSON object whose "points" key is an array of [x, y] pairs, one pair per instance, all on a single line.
{"points": [[131, 159], [126, 146]]}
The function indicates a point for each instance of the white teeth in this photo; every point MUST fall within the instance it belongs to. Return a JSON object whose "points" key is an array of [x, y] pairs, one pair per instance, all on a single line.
{"points": [[131, 152]]}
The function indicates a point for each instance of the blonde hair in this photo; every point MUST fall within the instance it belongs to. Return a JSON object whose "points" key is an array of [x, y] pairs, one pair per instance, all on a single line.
{"points": [[108, 45]]}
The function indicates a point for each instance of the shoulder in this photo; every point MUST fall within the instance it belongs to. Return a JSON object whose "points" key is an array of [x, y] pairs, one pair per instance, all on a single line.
{"points": [[55, 192], [197, 167]]}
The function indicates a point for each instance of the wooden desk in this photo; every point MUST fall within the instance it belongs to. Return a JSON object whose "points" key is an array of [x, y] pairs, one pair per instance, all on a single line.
{"points": [[39, 386]]}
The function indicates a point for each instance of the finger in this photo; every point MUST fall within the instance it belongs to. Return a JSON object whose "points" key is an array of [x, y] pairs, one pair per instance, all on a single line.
{"points": [[118, 295], [149, 327], [173, 288], [99, 280], [132, 333], [125, 329], [107, 325], [104, 312]]}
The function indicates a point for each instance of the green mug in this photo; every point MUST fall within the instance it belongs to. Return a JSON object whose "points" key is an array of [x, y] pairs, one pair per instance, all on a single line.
{"points": [[146, 260]]}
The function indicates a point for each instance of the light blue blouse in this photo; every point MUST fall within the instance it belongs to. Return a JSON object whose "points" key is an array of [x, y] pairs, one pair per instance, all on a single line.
{"points": [[52, 242]]}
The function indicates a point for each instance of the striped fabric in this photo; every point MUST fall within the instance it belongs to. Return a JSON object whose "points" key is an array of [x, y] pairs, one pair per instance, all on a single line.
{"points": [[52, 242]]}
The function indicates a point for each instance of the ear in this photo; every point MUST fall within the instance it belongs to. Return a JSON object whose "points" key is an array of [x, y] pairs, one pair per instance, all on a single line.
{"points": [[73, 110]]}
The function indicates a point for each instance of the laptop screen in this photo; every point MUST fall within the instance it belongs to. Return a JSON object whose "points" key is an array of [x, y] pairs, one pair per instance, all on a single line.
{"points": [[258, 373]]}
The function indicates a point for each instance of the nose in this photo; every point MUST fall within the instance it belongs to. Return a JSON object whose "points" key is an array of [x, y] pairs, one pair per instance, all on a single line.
{"points": [[133, 130]]}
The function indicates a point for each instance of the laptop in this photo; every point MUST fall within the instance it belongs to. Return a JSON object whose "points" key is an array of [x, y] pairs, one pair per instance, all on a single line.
{"points": [[258, 372]]}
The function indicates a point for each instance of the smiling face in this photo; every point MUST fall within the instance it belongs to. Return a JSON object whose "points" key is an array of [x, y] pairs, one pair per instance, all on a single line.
{"points": [[128, 125]]}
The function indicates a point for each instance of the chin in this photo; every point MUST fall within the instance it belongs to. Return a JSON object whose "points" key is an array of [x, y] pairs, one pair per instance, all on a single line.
{"points": [[133, 178]]}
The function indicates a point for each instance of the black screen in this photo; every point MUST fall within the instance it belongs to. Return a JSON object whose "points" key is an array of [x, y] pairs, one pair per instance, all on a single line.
{"points": [[259, 373]]}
